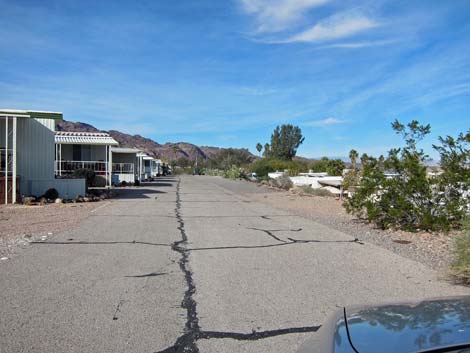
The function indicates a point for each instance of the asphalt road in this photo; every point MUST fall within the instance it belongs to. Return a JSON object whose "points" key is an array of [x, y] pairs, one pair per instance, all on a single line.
{"points": [[190, 264]]}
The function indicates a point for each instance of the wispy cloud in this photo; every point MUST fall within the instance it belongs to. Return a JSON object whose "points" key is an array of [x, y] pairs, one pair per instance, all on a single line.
{"points": [[362, 44], [278, 15], [326, 122], [338, 26]]}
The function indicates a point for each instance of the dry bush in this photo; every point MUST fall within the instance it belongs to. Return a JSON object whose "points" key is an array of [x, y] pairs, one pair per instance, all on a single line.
{"points": [[283, 182], [460, 267], [316, 192]]}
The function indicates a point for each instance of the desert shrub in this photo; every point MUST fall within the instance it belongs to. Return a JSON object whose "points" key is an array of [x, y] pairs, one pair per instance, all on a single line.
{"points": [[326, 165], [87, 174], [51, 194], [99, 181], [453, 185], [406, 197], [268, 165], [460, 267], [226, 158], [214, 172], [316, 192], [234, 173], [182, 170], [283, 182]]}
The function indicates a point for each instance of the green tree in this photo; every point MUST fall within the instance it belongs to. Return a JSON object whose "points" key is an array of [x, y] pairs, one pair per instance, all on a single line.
{"points": [[267, 150], [259, 148], [229, 157], [326, 165], [285, 140]]}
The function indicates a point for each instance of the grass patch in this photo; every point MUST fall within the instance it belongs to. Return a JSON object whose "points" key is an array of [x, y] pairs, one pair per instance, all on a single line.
{"points": [[460, 267]]}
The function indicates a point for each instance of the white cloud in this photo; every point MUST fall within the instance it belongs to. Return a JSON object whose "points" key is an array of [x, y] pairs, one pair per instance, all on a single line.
{"points": [[325, 122], [338, 26], [278, 15], [357, 45]]}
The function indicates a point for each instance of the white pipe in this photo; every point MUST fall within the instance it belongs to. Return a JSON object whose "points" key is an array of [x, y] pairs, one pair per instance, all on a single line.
{"points": [[6, 160], [13, 200], [110, 165], [106, 165], [60, 159]]}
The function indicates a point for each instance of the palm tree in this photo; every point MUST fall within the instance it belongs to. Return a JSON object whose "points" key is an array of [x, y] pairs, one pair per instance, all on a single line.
{"points": [[353, 156], [364, 159], [175, 149], [259, 148]]}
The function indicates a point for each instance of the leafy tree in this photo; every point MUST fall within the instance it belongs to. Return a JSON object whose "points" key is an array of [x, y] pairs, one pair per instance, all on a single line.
{"points": [[326, 165], [226, 158], [335, 167], [259, 147], [267, 150], [285, 140]]}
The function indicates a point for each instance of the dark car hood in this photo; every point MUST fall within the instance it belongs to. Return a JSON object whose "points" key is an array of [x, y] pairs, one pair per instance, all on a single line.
{"points": [[409, 327]]}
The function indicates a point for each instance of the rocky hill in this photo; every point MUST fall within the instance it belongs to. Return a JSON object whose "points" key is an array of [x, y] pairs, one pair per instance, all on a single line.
{"points": [[168, 151]]}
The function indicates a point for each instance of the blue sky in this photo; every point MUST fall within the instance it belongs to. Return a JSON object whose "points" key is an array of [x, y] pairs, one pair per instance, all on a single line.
{"points": [[227, 72]]}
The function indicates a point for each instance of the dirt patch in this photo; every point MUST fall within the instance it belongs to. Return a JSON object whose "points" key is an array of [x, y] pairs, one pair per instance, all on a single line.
{"points": [[434, 250], [20, 225]]}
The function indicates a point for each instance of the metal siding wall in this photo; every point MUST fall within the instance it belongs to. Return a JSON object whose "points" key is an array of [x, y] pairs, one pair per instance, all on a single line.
{"points": [[35, 152], [2, 132], [49, 123]]}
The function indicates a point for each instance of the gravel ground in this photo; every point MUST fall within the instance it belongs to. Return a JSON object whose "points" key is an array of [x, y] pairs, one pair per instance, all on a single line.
{"points": [[434, 250], [19, 225]]}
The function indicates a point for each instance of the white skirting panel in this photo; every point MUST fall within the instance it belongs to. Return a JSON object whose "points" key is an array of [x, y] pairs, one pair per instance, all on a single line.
{"points": [[67, 188], [119, 178]]}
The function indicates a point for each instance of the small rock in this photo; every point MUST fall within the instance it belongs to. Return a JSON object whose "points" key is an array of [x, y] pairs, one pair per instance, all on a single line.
{"points": [[29, 200], [4, 258], [59, 200]]}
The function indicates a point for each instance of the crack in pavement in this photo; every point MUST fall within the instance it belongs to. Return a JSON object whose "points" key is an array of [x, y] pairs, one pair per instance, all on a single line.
{"points": [[97, 243], [256, 335], [300, 241], [290, 242], [118, 309], [186, 343], [270, 232], [151, 274]]}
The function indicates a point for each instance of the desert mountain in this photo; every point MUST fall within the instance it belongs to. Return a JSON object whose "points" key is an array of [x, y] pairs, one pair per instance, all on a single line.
{"points": [[168, 151]]}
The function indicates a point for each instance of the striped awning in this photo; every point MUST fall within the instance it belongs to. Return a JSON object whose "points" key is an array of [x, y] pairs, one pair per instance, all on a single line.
{"points": [[84, 138], [125, 150]]}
